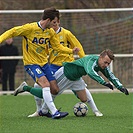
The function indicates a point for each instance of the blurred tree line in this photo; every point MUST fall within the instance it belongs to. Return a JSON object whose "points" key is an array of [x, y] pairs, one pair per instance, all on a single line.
{"points": [[63, 4]]}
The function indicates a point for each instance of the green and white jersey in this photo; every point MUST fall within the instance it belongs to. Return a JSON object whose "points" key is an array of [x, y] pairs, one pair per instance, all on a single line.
{"points": [[88, 65]]}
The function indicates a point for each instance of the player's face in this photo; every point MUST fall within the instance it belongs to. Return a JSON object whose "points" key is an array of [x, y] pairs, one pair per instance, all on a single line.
{"points": [[55, 24], [103, 62], [48, 23]]}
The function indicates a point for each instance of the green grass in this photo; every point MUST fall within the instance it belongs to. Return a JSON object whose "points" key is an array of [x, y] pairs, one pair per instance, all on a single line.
{"points": [[116, 107]]}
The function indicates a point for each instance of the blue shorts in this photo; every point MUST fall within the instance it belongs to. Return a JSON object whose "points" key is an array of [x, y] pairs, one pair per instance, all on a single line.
{"points": [[54, 68], [36, 71]]}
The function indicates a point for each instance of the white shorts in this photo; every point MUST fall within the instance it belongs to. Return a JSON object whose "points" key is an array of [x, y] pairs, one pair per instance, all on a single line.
{"points": [[65, 84]]}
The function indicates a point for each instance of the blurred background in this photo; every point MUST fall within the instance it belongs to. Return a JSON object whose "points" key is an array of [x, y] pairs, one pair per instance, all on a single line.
{"points": [[95, 30]]}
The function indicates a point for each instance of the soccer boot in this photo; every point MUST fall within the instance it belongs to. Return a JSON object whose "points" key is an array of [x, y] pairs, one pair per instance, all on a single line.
{"points": [[34, 115], [59, 115], [40, 113], [98, 113], [20, 88], [44, 114]]}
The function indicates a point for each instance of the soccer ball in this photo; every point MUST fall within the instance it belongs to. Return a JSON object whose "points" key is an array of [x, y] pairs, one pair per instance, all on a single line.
{"points": [[80, 109]]}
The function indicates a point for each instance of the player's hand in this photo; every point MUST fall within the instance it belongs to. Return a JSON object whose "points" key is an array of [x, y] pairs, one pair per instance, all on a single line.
{"points": [[124, 90], [75, 50], [107, 84]]}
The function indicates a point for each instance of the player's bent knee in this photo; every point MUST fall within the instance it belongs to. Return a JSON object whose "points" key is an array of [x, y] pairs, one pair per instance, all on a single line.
{"points": [[82, 95], [83, 100], [54, 91]]}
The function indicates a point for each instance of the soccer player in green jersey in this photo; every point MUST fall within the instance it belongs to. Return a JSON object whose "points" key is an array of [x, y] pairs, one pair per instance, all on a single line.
{"points": [[67, 39], [36, 35], [69, 76]]}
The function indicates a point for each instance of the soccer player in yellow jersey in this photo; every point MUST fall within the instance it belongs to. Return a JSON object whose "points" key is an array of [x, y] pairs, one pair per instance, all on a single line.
{"points": [[68, 40], [36, 35]]}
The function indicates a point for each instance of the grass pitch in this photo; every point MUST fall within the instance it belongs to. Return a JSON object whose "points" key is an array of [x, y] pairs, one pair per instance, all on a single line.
{"points": [[116, 107]]}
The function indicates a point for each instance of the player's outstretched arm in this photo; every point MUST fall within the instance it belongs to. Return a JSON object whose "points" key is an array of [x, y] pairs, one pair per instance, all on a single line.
{"points": [[107, 84]]}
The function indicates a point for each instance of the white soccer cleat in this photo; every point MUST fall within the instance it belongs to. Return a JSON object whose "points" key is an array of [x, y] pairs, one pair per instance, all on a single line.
{"points": [[20, 88], [34, 115], [98, 113]]}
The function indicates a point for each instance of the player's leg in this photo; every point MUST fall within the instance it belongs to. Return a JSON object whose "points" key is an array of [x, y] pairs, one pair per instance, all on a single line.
{"points": [[54, 87], [44, 83], [92, 104], [43, 109], [53, 84], [39, 102], [79, 94], [37, 92], [85, 96], [48, 98], [63, 84], [82, 95], [46, 90]]}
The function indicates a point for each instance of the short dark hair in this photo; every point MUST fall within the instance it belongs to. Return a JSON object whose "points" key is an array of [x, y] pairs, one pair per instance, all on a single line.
{"points": [[50, 13], [107, 52]]}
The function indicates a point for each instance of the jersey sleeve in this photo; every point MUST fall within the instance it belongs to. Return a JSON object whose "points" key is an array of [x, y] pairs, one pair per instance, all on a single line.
{"points": [[75, 43], [16, 31], [110, 76], [90, 65]]}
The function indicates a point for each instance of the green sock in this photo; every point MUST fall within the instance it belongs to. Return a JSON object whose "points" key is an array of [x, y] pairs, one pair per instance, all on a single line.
{"points": [[27, 88], [34, 91]]}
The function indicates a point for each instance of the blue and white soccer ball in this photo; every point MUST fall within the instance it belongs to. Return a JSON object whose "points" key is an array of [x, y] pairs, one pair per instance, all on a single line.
{"points": [[80, 109]]}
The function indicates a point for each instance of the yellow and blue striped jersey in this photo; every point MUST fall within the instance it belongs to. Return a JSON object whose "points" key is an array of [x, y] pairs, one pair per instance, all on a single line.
{"points": [[35, 41], [67, 39]]}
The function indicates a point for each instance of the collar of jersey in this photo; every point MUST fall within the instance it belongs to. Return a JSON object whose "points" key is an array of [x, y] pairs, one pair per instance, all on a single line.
{"points": [[59, 30], [40, 25]]}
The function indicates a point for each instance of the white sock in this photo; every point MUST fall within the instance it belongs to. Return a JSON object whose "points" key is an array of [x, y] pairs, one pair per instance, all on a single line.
{"points": [[48, 100], [44, 108], [37, 99], [44, 105], [90, 101], [38, 103]]}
